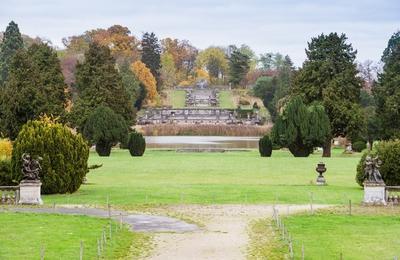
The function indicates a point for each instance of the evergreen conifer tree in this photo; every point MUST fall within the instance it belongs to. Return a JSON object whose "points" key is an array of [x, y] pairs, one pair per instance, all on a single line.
{"points": [[329, 75], [12, 42], [99, 83], [151, 55], [387, 91]]}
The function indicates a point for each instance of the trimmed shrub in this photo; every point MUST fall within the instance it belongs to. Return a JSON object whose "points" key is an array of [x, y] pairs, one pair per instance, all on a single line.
{"points": [[265, 146], [136, 144], [105, 128], [359, 146], [5, 173], [5, 149], [389, 154], [64, 155]]}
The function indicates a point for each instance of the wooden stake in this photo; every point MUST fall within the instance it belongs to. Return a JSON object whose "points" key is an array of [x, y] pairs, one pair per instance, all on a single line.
{"points": [[81, 251], [42, 251], [302, 251], [350, 207], [311, 203]]}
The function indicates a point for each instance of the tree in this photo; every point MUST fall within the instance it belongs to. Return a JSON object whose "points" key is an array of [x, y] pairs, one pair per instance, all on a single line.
{"points": [[105, 128], [22, 98], [387, 90], [131, 83], [64, 155], [301, 128], [151, 55], [147, 79], [35, 86], [329, 75], [239, 65], [99, 83], [168, 70], [214, 60], [265, 88], [184, 55], [12, 42], [51, 78]]}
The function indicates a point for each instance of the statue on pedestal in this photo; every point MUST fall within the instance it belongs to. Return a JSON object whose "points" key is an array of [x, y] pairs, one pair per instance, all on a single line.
{"points": [[371, 170], [30, 168]]}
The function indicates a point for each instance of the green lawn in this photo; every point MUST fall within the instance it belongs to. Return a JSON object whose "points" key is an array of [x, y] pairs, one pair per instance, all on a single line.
{"points": [[167, 177], [226, 99], [360, 236], [178, 98], [25, 234]]}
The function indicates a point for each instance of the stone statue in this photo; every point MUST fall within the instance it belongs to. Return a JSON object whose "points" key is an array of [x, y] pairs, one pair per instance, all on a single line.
{"points": [[30, 167], [371, 170]]}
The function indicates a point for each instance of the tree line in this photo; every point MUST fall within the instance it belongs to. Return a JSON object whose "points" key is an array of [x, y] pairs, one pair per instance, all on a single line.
{"points": [[112, 68]]}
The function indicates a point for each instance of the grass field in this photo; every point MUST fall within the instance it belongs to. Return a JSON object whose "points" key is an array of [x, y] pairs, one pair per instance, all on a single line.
{"points": [[168, 177], [360, 236], [25, 234], [226, 99], [178, 98]]}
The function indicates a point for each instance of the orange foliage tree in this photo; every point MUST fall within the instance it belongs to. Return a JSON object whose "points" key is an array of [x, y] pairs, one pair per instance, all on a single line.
{"points": [[146, 78]]}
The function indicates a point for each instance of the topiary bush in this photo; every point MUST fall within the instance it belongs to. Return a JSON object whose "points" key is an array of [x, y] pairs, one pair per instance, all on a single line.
{"points": [[389, 154], [64, 155], [265, 146], [136, 144], [359, 146], [105, 128]]}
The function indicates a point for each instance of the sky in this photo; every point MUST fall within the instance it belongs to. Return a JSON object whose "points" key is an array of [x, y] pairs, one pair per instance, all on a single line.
{"points": [[283, 26]]}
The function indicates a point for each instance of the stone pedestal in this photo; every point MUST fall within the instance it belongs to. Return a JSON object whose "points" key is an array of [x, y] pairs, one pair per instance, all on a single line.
{"points": [[374, 193], [321, 180], [29, 192]]}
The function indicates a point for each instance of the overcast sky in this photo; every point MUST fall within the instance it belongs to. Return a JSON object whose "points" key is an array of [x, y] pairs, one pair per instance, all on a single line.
{"points": [[266, 26]]}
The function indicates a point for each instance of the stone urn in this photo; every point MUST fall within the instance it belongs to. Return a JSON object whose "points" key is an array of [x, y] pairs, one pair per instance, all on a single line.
{"points": [[321, 169]]}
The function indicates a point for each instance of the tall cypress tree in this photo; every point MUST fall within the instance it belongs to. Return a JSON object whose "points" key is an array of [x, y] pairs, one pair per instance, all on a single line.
{"points": [[99, 83], [387, 91], [151, 55], [12, 42], [329, 75]]}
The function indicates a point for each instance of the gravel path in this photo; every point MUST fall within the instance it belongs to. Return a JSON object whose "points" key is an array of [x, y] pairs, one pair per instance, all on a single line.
{"points": [[137, 222], [224, 237]]}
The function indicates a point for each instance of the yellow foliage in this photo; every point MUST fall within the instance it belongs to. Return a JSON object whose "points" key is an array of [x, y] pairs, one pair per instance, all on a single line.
{"points": [[202, 74], [185, 83], [5, 149], [144, 75]]}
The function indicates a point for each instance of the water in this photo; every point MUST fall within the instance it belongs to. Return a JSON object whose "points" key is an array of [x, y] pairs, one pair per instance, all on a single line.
{"points": [[202, 142]]}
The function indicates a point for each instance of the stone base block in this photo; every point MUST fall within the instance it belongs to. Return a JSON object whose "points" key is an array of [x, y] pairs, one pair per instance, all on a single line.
{"points": [[321, 181], [374, 194], [29, 193]]}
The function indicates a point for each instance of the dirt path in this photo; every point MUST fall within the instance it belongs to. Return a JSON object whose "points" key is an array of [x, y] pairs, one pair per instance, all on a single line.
{"points": [[224, 235]]}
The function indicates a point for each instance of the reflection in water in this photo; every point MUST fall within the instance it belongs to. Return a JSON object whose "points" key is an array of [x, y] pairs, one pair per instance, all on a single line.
{"points": [[202, 142]]}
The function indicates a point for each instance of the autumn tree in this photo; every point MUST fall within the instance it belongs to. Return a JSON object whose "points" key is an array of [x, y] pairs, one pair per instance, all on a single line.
{"points": [[99, 84], [151, 55], [168, 70], [329, 75], [184, 55], [12, 42], [387, 90], [147, 79], [214, 60]]}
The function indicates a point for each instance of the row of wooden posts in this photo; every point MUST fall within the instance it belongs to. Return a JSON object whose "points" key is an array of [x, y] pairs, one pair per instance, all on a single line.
{"points": [[103, 241]]}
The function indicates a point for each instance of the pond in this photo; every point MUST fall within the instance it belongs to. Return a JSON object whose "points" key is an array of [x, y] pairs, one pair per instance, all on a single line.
{"points": [[202, 142]]}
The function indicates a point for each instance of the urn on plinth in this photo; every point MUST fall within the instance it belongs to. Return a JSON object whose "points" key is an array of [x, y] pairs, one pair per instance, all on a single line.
{"points": [[321, 169]]}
